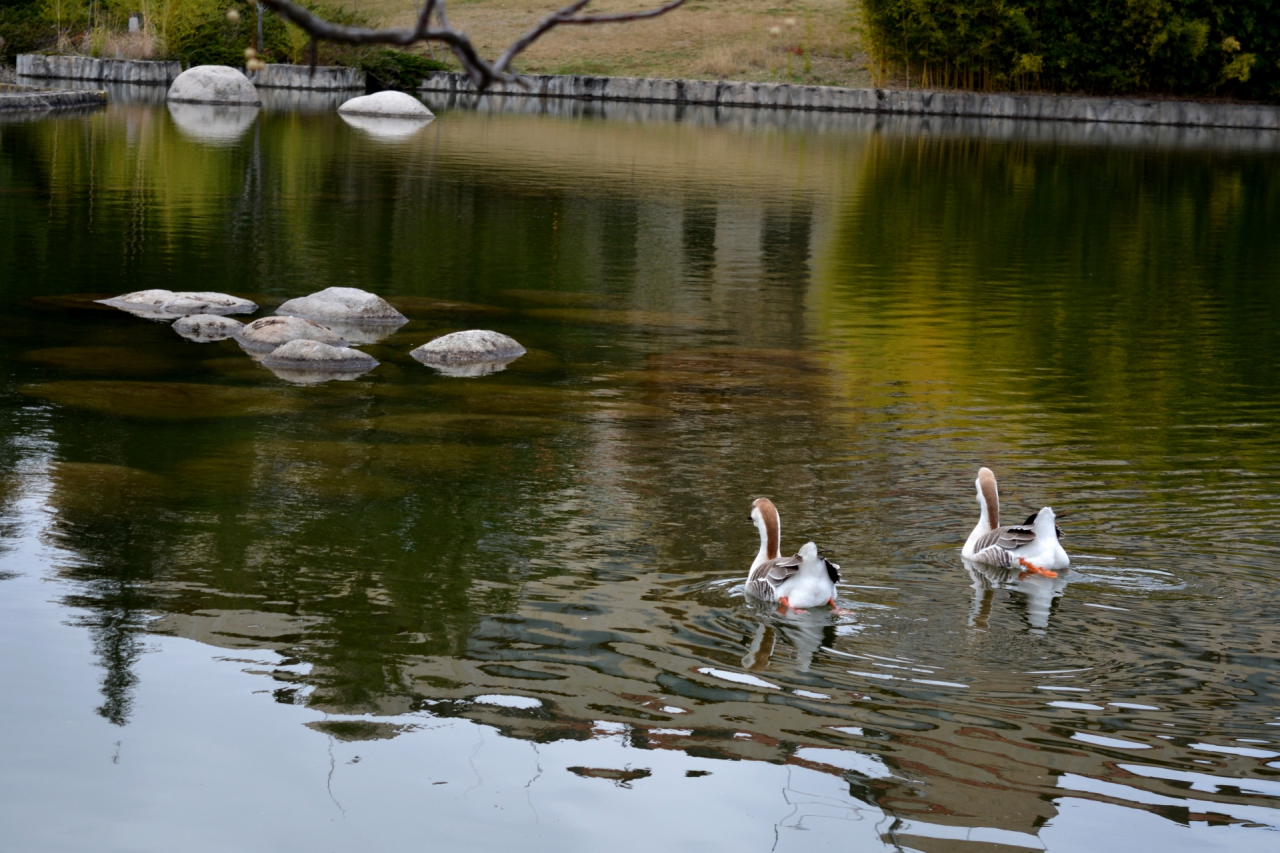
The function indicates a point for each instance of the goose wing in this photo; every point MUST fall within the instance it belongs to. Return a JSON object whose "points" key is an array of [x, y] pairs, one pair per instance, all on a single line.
{"points": [[764, 580], [833, 570], [995, 547]]}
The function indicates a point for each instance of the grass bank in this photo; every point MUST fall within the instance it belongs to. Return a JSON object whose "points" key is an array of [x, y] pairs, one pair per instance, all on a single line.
{"points": [[811, 42]]}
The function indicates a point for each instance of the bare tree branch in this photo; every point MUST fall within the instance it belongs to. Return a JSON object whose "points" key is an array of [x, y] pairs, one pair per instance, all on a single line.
{"points": [[483, 74]]}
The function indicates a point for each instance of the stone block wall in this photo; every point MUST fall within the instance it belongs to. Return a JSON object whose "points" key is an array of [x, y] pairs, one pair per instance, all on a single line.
{"points": [[905, 102], [325, 78], [137, 71]]}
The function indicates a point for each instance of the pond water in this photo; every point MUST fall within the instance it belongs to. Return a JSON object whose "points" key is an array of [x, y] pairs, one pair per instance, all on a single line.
{"points": [[239, 613]]}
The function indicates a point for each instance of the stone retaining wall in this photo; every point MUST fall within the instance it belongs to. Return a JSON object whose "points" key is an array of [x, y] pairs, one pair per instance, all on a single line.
{"points": [[104, 70], [907, 102], [16, 97], [326, 77]]}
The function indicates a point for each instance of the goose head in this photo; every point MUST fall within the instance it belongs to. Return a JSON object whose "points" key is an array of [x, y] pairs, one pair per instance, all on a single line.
{"points": [[765, 517]]}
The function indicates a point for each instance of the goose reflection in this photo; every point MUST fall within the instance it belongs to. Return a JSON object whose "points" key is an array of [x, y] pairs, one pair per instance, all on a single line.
{"points": [[1039, 591], [805, 635]]}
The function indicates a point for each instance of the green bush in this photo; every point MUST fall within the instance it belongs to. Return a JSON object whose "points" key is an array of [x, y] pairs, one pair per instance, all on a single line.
{"points": [[1180, 47], [23, 28], [397, 69]]}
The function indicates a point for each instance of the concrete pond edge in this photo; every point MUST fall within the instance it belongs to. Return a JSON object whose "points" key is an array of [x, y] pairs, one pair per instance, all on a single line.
{"points": [[899, 101], [30, 98], [163, 73]]}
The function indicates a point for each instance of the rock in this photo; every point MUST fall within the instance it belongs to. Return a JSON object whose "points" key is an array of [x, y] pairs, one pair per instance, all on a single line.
{"points": [[204, 328], [344, 305], [214, 84], [308, 362], [268, 333], [475, 352], [388, 103], [166, 305]]}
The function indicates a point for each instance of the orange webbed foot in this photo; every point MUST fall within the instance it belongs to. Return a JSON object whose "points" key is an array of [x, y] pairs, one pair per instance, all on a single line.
{"points": [[836, 609], [785, 607], [1033, 569]]}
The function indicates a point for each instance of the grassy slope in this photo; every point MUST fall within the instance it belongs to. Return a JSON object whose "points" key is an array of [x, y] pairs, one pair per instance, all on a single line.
{"points": [[708, 39]]}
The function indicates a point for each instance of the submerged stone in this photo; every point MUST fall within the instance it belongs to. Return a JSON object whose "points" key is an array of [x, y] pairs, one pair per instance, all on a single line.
{"points": [[387, 104], [98, 489], [164, 400], [101, 359], [344, 304], [475, 352], [71, 301], [213, 84], [269, 333], [555, 297], [307, 362], [426, 307], [611, 317], [469, 425], [206, 328], [166, 304]]}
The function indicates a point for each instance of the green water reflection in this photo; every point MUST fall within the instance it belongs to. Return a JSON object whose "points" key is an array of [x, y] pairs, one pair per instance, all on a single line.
{"points": [[847, 318]]}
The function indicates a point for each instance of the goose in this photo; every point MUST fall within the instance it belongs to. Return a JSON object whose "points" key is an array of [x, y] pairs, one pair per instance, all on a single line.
{"points": [[1032, 544], [805, 580]]}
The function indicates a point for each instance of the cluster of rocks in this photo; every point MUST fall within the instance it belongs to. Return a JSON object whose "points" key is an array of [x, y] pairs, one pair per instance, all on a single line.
{"points": [[311, 338], [382, 114]]}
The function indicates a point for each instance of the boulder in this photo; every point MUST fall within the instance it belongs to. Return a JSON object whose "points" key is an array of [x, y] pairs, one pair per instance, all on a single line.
{"points": [[475, 352], [308, 362], [344, 305], [214, 84], [166, 305], [268, 333], [204, 328], [388, 103]]}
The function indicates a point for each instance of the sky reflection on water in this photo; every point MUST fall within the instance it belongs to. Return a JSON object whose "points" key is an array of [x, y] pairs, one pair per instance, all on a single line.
{"points": [[507, 609]]}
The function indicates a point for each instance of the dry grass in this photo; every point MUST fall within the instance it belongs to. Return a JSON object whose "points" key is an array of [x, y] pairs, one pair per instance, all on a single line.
{"points": [[138, 45], [812, 41]]}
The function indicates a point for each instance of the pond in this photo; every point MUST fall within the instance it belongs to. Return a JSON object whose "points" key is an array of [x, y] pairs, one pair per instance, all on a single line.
{"points": [[410, 609]]}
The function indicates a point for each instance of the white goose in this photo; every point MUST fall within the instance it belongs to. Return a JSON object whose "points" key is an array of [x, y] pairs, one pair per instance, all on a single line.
{"points": [[805, 580], [1032, 545]]}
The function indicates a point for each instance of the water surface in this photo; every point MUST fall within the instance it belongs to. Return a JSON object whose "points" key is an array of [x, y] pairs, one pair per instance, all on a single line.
{"points": [[241, 613]]}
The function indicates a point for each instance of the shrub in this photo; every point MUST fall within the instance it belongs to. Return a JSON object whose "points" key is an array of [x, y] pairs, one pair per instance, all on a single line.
{"points": [[1183, 47], [396, 69], [23, 28]]}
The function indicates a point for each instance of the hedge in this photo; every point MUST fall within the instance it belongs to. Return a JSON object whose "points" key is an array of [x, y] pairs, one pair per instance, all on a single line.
{"points": [[1175, 47]]}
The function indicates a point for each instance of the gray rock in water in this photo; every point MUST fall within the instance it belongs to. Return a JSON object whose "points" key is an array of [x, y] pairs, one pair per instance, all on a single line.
{"points": [[348, 305], [475, 352], [166, 305], [469, 346], [268, 333], [387, 103], [305, 353], [214, 84], [204, 328]]}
